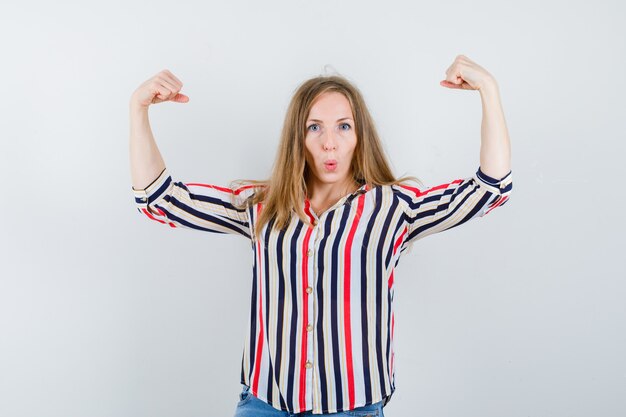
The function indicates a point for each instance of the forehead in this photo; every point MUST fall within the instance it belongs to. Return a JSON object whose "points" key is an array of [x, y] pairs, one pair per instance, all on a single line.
{"points": [[330, 104]]}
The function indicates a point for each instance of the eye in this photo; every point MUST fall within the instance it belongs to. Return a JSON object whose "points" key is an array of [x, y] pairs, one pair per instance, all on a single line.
{"points": [[346, 126], [311, 126]]}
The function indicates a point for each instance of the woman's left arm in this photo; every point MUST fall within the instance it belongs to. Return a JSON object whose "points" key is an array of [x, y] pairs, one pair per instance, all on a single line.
{"points": [[495, 144], [435, 209], [495, 148]]}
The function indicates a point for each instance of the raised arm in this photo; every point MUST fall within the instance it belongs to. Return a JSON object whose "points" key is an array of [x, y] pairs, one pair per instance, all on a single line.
{"points": [[435, 209], [495, 145], [196, 206], [146, 162]]}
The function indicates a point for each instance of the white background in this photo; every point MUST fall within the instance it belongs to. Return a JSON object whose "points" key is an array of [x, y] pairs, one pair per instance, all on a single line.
{"points": [[105, 313]]}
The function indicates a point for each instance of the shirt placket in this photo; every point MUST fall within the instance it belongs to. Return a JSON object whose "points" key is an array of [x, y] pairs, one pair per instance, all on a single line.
{"points": [[311, 364], [312, 367]]}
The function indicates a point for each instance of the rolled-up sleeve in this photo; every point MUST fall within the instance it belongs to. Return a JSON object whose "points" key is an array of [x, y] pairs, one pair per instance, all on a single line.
{"points": [[198, 206], [152, 192], [451, 204]]}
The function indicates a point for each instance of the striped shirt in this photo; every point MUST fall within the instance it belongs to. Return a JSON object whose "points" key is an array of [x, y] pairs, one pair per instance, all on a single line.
{"points": [[321, 326]]}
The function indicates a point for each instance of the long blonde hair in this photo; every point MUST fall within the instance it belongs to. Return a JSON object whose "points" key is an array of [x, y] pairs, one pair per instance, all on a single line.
{"points": [[285, 191]]}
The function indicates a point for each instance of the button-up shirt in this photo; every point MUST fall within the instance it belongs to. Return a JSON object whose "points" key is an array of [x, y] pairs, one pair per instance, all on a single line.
{"points": [[321, 325]]}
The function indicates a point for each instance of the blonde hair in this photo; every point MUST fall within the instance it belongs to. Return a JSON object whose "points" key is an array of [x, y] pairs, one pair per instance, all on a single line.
{"points": [[285, 191]]}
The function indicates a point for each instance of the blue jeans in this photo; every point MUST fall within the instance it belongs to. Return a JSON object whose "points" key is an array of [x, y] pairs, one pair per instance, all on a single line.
{"points": [[251, 406]]}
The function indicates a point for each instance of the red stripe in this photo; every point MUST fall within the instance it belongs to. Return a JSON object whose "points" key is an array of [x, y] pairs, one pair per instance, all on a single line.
{"points": [[395, 249], [259, 346], [399, 240], [346, 301], [502, 200], [420, 193], [162, 213], [494, 202], [305, 314], [147, 213], [307, 210], [227, 190]]}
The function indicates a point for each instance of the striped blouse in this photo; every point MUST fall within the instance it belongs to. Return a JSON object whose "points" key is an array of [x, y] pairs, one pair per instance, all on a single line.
{"points": [[321, 324]]}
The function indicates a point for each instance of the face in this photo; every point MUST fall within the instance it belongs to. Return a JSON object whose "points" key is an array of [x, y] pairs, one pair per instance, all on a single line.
{"points": [[330, 139]]}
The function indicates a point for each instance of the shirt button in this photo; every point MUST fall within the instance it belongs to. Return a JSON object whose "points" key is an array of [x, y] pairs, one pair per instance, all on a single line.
{"points": [[309, 252], [308, 365], [309, 290], [309, 327]]}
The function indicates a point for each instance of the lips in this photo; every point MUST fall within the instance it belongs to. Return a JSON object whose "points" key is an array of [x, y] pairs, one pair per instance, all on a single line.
{"points": [[330, 164]]}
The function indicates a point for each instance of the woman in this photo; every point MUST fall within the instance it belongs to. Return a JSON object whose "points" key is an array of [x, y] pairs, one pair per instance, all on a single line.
{"points": [[327, 231]]}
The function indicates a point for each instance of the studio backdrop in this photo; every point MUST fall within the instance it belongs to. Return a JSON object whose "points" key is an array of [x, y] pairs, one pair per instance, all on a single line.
{"points": [[105, 313]]}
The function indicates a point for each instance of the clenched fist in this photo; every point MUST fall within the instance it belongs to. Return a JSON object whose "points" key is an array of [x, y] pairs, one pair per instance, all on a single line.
{"points": [[465, 74], [162, 87]]}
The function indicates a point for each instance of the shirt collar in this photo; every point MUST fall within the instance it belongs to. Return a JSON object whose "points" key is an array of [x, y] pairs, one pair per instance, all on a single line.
{"points": [[347, 199]]}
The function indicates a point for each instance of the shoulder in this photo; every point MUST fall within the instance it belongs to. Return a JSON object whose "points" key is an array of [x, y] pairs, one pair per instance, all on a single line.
{"points": [[408, 194], [406, 191], [248, 189], [402, 193], [248, 193]]}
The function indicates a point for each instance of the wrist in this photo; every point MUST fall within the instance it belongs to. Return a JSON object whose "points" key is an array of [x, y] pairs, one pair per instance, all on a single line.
{"points": [[490, 87], [136, 104], [136, 108]]}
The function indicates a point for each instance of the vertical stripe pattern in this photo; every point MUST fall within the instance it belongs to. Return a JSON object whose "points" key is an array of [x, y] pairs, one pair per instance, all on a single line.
{"points": [[321, 324]]}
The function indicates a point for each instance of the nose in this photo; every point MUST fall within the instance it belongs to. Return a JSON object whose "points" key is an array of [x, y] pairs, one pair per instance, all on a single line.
{"points": [[329, 141]]}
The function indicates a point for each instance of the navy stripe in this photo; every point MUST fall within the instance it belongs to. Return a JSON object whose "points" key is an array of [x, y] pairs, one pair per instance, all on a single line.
{"points": [[210, 199], [320, 316], [388, 335], [400, 223], [364, 304], [443, 207], [293, 342], [490, 180], [207, 217], [474, 211], [280, 310], [454, 191], [266, 300], [156, 195], [178, 220], [380, 285], [242, 377], [253, 317], [334, 319]]}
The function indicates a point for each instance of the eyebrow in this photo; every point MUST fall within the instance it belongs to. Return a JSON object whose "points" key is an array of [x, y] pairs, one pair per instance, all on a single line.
{"points": [[316, 120]]}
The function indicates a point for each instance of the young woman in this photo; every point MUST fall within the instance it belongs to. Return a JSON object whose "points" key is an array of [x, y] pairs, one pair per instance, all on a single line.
{"points": [[327, 231]]}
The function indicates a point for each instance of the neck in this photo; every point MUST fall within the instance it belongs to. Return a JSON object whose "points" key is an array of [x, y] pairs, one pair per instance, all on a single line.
{"points": [[324, 195]]}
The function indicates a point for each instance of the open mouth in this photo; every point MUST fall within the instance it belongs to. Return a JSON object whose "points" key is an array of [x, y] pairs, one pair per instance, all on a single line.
{"points": [[330, 165]]}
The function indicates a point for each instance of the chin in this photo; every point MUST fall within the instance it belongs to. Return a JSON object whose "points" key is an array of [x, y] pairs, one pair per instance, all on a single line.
{"points": [[332, 178]]}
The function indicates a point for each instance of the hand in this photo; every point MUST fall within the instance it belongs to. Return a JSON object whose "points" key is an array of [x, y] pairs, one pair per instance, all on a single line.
{"points": [[162, 87], [465, 74]]}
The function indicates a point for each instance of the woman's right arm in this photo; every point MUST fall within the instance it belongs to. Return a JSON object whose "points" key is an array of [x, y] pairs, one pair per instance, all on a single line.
{"points": [[146, 162], [188, 205]]}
